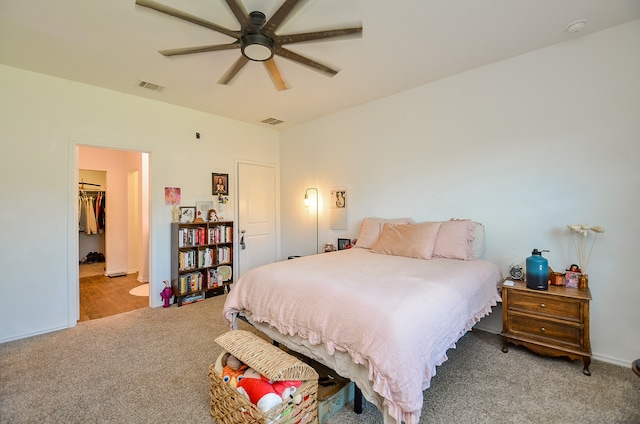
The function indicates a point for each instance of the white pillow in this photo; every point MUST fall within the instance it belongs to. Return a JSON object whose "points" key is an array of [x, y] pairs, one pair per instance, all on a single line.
{"points": [[371, 228]]}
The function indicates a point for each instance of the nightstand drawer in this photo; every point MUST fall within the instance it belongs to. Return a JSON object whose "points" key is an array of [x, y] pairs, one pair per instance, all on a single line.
{"points": [[566, 334], [552, 322], [533, 303]]}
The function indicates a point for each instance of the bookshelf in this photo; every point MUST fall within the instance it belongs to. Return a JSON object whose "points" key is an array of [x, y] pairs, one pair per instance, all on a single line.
{"points": [[201, 260]]}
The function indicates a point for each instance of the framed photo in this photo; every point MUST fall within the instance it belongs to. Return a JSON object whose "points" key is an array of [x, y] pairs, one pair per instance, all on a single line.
{"points": [[202, 209], [172, 195], [220, 184], [572, 279], [343, 243], [187, 214]]}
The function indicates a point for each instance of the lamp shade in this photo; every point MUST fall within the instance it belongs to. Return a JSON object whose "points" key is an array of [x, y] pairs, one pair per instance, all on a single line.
{"points": [[307, 203]]}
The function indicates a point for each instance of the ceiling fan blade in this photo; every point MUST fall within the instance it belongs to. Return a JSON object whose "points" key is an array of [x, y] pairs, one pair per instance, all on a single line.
{"points": [[279, 17], [318, 35], [233, 71], [281, 51], [240, 13], [274, 73], [186, 17], [199, 49]]}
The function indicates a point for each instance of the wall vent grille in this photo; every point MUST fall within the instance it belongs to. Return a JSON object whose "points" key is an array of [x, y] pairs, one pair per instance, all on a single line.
{"points": [[272, 121], [150, 86]]}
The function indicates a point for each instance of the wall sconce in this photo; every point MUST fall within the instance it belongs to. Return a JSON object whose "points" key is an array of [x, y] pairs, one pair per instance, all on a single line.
{"points": [[307, 203]]}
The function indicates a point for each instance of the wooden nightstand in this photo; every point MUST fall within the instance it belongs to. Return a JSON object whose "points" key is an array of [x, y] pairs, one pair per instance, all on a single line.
{"points": [[552, 322]]}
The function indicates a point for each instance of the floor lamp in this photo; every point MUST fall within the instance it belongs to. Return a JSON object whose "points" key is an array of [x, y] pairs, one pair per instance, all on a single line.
{"points": [[306, 204]]}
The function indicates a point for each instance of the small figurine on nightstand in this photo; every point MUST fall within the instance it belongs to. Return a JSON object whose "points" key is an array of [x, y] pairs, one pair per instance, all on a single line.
{"points": [[166, 294], [574, 268]]}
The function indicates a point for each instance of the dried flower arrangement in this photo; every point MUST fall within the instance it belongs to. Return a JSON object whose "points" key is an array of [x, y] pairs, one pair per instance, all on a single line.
{"points": [[580, 233]]}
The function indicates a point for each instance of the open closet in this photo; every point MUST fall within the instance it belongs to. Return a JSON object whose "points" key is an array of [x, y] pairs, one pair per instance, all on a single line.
{"points": [[91, 222], [113, 236]]}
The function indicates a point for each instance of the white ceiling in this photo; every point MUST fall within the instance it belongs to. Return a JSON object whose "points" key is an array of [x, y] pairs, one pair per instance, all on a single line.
{"points": [[405, 44]]}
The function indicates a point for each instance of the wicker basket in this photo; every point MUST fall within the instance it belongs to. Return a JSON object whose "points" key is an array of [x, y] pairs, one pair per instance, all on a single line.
{"points": [[230, 407]]}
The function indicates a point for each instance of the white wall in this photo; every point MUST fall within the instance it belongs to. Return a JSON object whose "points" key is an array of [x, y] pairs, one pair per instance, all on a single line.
{"points": [[43, 120], [526, 146]]}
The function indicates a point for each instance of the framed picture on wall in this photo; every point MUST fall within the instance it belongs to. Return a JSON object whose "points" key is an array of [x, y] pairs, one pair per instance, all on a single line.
{"points": [[220, 183], [187, 214]]}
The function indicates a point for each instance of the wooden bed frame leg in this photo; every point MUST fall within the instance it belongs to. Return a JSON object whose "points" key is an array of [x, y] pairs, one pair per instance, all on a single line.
{"points": [[357, 399]]}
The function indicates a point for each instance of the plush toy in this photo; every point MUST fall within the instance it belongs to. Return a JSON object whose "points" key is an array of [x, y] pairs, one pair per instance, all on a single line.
{"points": [[259, 390], [287, 390], [166, 294], [230, 369]]}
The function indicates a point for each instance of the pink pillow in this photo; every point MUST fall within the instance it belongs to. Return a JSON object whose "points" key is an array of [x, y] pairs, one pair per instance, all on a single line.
{"points": [[371, 229], [454, 240], [410, 240]]}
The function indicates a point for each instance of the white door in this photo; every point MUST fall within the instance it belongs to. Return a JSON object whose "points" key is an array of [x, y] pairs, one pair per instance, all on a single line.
{"points": [[256, 216]]}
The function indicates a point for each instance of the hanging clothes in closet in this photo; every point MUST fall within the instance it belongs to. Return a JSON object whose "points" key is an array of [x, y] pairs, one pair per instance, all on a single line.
{"points": [[91, 212]]}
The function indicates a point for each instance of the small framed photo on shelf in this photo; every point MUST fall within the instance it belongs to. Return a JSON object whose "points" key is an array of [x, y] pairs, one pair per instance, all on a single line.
{"points": [[572, 279], [220, 183], [202, 209], [187, 214], [344, 243]]}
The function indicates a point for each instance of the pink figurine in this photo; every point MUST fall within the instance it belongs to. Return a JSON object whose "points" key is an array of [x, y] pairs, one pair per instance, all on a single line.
{"points": [[166, 294]]}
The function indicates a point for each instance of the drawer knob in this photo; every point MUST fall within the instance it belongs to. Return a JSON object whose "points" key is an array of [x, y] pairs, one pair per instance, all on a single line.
{"points": [[542, 305], [543, 329]]}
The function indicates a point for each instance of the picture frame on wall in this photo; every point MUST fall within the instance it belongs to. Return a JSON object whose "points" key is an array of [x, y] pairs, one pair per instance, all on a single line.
{"points": [[220, 184], [187, 214]]}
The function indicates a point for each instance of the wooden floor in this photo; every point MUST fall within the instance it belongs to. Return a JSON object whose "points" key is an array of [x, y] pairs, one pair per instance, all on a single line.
{"points": [[101, 296]]}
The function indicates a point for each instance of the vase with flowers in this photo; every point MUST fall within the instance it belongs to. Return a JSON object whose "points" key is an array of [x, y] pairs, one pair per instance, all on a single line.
{"points": [[579, 235]]}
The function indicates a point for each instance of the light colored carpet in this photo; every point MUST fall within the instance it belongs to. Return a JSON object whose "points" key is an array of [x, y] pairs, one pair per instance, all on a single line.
{"points": [[150, 366], [141, 290]]}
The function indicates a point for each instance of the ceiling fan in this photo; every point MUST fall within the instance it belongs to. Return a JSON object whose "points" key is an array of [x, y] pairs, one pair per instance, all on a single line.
{"points": [[256, 39]]}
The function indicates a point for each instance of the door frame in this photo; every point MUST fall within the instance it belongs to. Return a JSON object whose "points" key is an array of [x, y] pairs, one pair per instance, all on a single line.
{"points": [[236, 213], [73, 278]]}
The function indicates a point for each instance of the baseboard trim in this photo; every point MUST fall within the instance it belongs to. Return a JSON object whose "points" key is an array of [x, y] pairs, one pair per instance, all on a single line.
{"points": [[35, 333]]}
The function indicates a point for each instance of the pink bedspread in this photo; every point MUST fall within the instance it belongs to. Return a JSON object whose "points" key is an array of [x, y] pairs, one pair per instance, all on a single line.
{"points": [[397, 316]]}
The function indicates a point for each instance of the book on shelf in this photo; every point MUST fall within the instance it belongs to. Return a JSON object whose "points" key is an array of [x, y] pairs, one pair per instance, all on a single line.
{"points": [[189, 282], [224, 254], [220, 234], [191, 236], [196, 297], [187, 260]]}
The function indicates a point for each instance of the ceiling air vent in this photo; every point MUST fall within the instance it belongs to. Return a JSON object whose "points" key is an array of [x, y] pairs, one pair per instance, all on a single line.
{"points": [[272, 121], [150, 86]]}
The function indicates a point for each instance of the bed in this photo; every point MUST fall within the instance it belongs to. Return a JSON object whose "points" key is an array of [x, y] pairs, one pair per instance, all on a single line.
{"points": [[383, 313]]}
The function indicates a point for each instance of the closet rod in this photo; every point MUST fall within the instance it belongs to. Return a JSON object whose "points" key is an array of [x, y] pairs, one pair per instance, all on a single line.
{"points": [[82, 184]]}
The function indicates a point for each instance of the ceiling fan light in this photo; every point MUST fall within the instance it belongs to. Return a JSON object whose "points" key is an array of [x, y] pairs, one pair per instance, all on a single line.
{"points": [[257, 47]]}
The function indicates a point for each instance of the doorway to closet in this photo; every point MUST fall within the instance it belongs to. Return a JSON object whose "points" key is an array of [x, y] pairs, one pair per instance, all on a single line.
{"points": [[113, 231]]}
